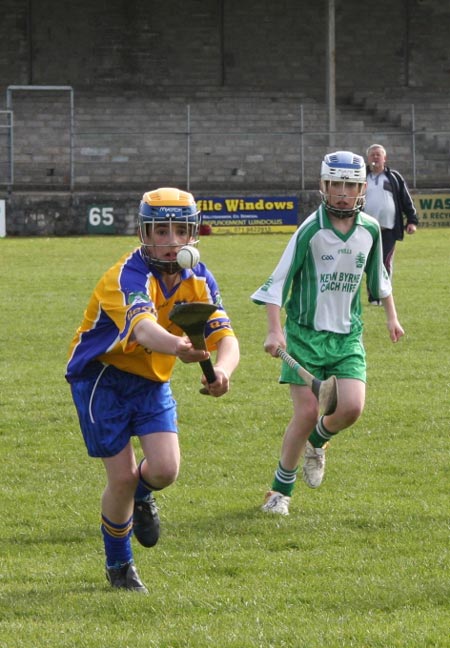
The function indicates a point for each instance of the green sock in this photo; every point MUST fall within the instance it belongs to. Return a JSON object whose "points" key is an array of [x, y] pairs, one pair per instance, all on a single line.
{"points": [[320, 435], [284, 480]]}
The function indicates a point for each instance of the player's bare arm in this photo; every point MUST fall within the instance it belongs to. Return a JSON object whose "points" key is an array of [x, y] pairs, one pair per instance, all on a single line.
{"points": [[393, 325], [275, 336], [152, 336], [227, 360]]}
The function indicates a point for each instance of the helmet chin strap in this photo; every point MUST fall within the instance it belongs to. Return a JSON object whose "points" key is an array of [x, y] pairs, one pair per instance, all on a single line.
{"points": [[344, 213], [169, 267], [340, 213]]}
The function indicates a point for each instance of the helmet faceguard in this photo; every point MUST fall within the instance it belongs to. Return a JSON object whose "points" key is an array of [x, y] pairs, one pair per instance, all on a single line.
{"points": [[171, 207], [343, 166]]}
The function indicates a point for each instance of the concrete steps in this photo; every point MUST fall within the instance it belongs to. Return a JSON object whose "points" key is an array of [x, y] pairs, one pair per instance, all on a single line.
{"points": [[428, 111], [213, 137]]}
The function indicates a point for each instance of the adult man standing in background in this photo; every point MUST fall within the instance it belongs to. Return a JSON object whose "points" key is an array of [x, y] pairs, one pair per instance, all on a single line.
{"points": [[388, 200]]}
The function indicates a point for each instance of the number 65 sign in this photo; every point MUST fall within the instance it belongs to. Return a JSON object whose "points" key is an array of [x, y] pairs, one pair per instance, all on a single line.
{"points": [[100, 220]]}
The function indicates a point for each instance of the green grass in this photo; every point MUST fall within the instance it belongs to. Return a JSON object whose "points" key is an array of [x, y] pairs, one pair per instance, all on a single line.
{"points": [[363, 561]]}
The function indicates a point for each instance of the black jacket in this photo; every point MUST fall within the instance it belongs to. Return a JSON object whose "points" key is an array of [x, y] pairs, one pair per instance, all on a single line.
{"points": [[403, 202]]}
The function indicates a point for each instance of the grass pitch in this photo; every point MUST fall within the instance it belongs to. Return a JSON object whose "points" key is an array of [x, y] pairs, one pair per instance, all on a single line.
{"points": [[363, 561]]}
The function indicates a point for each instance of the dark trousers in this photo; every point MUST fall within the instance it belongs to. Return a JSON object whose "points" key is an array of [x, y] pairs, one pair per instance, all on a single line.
{"points": [[389, 240]]}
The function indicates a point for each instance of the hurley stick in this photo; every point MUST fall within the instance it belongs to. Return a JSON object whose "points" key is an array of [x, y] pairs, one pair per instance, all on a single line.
{"points": [[326, 391]]}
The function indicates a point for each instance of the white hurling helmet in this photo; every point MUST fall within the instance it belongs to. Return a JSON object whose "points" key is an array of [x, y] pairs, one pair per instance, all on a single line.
{"points": [[343, 166]]}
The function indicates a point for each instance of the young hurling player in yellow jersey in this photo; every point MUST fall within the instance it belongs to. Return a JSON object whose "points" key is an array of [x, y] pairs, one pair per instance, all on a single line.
{"points": [[120, 363], [318, 282]]}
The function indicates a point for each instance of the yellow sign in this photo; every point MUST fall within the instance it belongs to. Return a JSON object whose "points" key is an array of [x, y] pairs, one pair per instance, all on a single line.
{"points": [[433, 210], [249, 215], [252, 229]]}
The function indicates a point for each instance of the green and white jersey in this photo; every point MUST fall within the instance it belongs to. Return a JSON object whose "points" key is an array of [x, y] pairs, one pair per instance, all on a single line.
{"points": [[318, 277]]}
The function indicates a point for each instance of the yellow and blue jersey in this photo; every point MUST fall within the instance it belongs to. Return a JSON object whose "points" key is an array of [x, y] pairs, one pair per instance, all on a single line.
{"points": [[128, 292]]}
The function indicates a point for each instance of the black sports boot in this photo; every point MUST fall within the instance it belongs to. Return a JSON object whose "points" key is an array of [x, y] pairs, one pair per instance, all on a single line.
{"points": [[126, 577], [146, 521]]}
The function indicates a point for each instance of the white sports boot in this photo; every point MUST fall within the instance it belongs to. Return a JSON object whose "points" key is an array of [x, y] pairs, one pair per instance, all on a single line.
{"points": [[276, 503], [314, 465]]}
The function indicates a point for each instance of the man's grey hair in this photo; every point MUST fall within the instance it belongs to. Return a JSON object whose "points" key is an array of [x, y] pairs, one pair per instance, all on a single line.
{"points": [[374, 146]]}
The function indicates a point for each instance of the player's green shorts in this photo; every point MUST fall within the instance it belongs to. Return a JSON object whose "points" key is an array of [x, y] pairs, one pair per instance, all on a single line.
{"points": [[323, 354]]}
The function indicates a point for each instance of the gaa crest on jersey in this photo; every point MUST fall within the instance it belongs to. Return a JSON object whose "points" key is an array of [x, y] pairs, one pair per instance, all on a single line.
{"points": [[360, 260], [218, 300], [137, 298]]}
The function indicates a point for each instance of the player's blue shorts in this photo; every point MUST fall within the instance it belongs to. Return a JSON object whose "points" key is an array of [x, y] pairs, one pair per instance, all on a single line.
{"points": [[114, 405]]}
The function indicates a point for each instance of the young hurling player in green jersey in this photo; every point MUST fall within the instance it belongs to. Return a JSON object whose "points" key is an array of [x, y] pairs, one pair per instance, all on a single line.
{"points": [[318, 282]]}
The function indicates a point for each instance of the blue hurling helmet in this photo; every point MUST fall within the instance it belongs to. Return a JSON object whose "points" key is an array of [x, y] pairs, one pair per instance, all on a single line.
{"points": [[343, 166], [166, 205]]}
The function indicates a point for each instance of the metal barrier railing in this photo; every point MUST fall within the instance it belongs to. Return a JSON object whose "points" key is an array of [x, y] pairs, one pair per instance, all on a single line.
{"points": [[6, 137], [190, 156]]}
